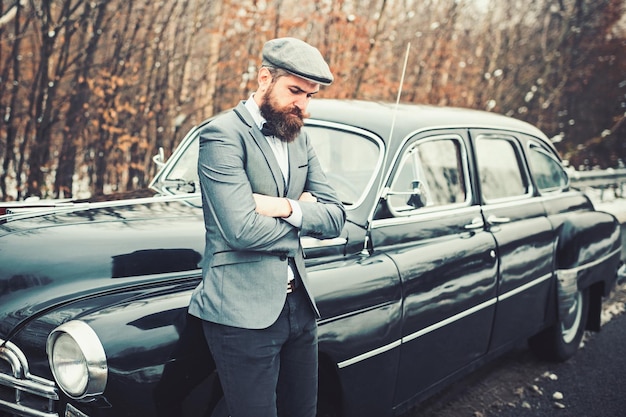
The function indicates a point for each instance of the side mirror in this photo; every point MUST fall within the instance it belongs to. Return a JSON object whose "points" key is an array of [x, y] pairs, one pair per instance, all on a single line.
{"points": [[159, 158], [418, 196]]}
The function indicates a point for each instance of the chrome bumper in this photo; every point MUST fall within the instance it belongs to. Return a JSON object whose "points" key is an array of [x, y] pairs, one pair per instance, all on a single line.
{"points": [[21, 393]]}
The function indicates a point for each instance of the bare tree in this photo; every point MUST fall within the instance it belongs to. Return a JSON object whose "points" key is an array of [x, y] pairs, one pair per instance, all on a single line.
{"points": [[10, 113], [91, 89], [91, 24]]}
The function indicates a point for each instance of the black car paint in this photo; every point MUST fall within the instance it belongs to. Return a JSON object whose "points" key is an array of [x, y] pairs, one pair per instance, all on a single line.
{"points": [[130, 277]]}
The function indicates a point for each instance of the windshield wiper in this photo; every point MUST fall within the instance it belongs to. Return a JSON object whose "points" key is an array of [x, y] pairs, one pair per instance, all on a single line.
{"points": [[180, 184]]}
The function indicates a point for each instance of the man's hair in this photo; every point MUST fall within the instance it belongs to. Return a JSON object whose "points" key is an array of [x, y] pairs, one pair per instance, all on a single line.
{"points": [[276, 73]]}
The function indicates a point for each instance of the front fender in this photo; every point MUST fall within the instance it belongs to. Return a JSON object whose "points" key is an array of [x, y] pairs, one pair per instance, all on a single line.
{"points": [[156, 354], [157, 359]]}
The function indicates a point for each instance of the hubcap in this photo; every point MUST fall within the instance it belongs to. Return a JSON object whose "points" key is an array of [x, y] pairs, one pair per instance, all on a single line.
{"points": [[571, 322]]}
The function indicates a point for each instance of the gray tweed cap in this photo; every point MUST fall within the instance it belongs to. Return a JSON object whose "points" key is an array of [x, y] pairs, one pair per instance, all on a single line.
{"points": [[298, 58]]}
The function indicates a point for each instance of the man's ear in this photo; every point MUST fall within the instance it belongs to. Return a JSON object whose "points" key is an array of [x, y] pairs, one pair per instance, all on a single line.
{"points": [[264, 78]]}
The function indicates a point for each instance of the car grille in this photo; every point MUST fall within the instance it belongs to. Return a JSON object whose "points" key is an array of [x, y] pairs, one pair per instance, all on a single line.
{"points": [[23, 394]]}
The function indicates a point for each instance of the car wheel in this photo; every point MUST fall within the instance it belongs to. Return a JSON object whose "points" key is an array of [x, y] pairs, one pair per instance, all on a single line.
{"points": [[561, 341]]}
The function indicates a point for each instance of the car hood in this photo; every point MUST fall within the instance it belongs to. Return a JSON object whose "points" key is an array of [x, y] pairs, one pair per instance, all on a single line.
{"points": [[52, 258]]}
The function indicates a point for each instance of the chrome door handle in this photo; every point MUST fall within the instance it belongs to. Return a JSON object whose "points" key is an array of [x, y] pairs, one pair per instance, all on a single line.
{"points": [[497, 220], [477, 223]]}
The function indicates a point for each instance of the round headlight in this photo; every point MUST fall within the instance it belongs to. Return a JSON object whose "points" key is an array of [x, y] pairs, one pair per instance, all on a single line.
{"points": [[77, 359], [70, 365]]}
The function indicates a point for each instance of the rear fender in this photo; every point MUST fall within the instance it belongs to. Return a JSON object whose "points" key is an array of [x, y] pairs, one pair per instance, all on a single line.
{"points": [[587, 254]]}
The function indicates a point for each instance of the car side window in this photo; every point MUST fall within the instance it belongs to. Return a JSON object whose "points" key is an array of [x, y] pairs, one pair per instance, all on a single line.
{"points": [[547, 171], [499, 169], [432, 173]]}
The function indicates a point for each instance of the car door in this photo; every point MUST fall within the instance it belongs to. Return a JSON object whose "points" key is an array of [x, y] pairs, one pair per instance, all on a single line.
{"points": [[358, 295], [515, 216], [433, 231]]}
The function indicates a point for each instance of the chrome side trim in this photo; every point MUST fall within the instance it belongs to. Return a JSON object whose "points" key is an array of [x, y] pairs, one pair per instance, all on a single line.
{"points": [[524, 287], [436, 326], [369, 354], [592, 263], [449, 320], [405, 339]]}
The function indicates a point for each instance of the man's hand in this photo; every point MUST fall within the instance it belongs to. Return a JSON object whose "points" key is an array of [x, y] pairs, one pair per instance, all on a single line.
{"points": [[272, 206], [308, 197], [278, 206]]}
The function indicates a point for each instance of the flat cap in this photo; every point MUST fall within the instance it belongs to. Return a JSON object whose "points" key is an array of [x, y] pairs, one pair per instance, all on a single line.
{"points": [[298, 58]]}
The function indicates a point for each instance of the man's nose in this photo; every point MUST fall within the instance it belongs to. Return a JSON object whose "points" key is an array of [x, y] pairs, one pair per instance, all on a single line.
{"points": [[302, 102]]}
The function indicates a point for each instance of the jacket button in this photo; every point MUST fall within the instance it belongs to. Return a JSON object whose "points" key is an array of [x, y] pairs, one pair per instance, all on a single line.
{"points": [[283, 257]]}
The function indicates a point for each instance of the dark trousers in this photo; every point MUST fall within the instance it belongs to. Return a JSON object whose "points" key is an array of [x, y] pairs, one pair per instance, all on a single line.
{"points": [[269, 372]]}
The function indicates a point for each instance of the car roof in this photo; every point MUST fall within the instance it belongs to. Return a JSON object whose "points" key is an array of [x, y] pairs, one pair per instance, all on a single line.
{"points": [[378, 117]]}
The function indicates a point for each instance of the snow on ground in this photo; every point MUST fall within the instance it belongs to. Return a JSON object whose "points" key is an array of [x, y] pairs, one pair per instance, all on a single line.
{"points": [[608, 202]]}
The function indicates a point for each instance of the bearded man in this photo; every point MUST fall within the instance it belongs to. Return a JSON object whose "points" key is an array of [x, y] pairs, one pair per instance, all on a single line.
{"points": [[262, 188]]}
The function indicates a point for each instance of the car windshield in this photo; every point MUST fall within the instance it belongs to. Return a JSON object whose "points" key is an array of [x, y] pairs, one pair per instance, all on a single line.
{"points": [[348, 158]]}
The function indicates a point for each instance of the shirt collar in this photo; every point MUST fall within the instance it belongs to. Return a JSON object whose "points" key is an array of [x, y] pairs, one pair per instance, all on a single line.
{"points": [[255, 112]]}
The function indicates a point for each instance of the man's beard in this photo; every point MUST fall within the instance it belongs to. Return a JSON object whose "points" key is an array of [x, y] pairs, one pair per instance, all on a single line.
{"points": [[286, 121]]}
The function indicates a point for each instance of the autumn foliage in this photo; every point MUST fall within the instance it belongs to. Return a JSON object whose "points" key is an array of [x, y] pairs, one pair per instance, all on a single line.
{"points": [[90, 90]]}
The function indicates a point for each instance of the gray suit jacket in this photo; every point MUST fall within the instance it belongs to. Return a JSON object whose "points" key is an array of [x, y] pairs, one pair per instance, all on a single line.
{"points": [[245, 260]]}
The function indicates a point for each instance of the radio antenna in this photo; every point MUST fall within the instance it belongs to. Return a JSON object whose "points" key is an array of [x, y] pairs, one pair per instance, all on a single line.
{"points": [[395, 113], [393, 125]]}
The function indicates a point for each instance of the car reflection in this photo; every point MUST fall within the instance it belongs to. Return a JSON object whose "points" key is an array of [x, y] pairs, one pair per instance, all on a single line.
{"points": [[154, 261]]}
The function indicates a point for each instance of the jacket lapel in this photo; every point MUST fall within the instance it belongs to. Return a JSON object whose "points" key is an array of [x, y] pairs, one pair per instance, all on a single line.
{"points": [[293, 165], [263, 146]]}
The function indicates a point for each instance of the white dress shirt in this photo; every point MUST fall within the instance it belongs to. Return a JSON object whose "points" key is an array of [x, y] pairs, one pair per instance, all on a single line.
{"points": [[281, 152]]}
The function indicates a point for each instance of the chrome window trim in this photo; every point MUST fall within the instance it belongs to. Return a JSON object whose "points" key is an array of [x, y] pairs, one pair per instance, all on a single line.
{"points": [[532, 131], [534, 199], [469, 191], [522, 163], [533, 143], [192, 136], [424, 216], [389, 162]]}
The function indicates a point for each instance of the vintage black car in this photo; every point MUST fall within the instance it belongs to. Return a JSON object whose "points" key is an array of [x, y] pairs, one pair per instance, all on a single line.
{"points": [[463, 238]]}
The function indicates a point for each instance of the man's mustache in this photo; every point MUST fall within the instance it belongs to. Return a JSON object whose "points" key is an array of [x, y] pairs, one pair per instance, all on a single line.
{"points": [[296, 111]]}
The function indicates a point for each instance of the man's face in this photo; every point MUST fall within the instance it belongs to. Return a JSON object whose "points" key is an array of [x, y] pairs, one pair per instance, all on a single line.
{"points": [[284, 104]]}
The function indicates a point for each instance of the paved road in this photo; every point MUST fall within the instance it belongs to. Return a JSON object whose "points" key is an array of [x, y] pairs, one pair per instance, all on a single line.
{"points": [[591, 384]]}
